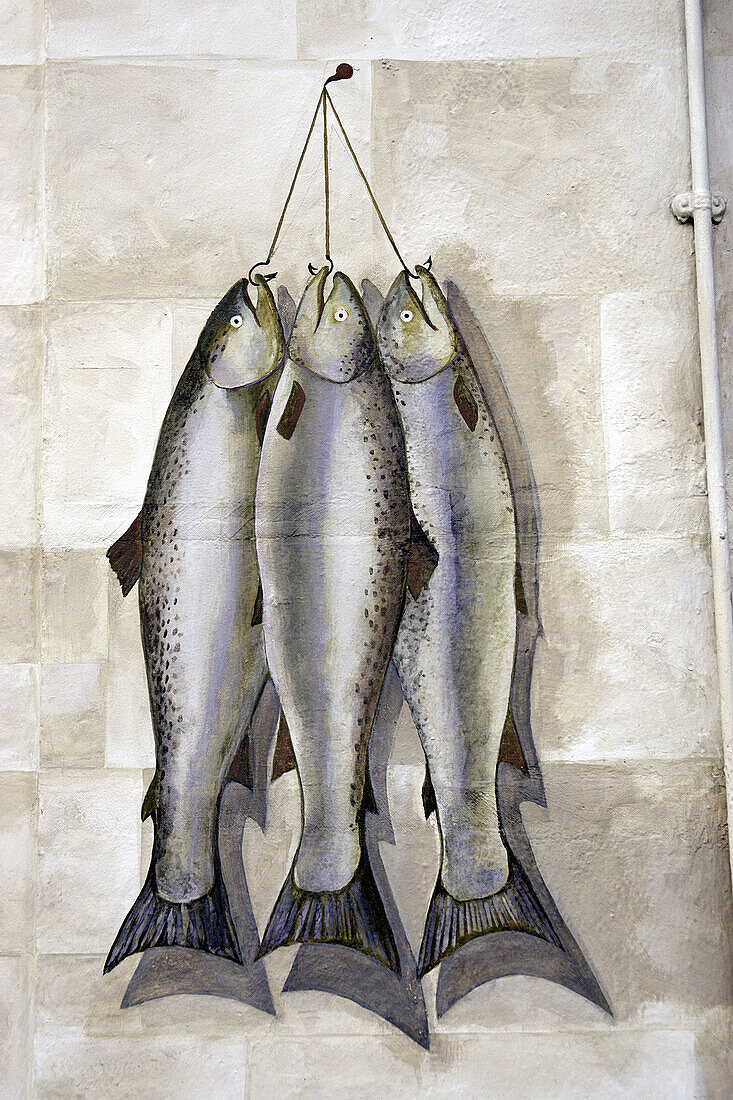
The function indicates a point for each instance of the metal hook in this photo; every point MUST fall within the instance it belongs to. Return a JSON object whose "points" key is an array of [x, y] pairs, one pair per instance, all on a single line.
{"points": [[314, 270], [427, 265], [262, 263]]}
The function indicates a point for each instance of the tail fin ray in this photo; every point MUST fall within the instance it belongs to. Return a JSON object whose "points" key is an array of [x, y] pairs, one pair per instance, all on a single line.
{"points": [[202, 925], [353, 917], [451, 923]]}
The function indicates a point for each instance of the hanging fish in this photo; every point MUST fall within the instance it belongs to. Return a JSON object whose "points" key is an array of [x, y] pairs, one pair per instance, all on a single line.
{"points": [[333, 529], [455, 648], [192, 551]]}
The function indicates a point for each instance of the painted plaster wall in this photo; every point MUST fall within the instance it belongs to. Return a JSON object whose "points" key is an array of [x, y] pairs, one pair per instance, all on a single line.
{"points": [[533, 149]]}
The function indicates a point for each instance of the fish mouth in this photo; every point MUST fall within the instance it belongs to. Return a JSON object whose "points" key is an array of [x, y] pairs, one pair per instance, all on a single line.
{"points": [[248, 301], [415, 298], [339, 279], [319, 282]]}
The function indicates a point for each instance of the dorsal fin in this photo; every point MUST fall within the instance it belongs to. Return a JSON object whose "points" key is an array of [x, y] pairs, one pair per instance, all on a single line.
{"points": [[126, 555], [368, 801]]}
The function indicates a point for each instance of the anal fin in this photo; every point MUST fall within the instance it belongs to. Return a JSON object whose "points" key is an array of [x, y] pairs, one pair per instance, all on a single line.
{"points": [[510, 750], [429, 803], [257, 609], [284, 758], [520, 598], [150, 801], [240, 769], [126, 555]]}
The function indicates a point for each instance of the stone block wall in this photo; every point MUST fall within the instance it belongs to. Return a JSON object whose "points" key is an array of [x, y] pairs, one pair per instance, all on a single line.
{"points": [[532, 149]]}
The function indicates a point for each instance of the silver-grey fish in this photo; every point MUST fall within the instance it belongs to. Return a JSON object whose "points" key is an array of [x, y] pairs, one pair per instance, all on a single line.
{"points": [[455, 649], [192, 548], [333, 529]]}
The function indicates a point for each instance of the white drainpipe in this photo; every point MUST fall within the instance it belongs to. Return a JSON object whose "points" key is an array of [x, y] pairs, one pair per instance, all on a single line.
{"points": [[704, 209]]}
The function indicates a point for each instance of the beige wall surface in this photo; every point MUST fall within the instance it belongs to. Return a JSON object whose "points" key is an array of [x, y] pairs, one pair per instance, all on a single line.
{"points": [[532, 149]]}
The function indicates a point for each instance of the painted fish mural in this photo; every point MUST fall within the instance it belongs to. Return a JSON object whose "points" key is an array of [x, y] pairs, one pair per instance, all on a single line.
{"points": [[191, 551], [333, 538], [375, 487]]}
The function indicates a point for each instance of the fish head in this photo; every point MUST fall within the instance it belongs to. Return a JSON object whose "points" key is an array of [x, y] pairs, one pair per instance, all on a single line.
{"points": [[332, 337], [416, 336], [242, 342]]}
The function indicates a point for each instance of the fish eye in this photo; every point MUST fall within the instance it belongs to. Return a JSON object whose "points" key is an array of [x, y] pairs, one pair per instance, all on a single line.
{"points": [[236, 320], [340, 314], [406, 315]]}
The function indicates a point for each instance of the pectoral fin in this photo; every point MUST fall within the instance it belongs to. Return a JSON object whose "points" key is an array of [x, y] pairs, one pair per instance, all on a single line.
{"points": [[465, 402], [262, 413], [287, 423], [126, 555], [422, 561]]}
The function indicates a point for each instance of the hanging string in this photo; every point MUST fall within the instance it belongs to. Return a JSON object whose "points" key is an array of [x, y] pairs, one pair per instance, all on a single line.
{"points": [[301, 158], [343, 72], [361, 172], [325, 175]]}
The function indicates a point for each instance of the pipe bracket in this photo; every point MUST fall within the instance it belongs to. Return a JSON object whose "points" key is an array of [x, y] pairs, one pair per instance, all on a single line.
{"points": [[683, 206]]}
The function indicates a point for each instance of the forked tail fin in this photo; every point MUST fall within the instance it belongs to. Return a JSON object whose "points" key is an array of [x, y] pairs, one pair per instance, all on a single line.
{"points": [[451, 923], [353, 917], [204, 924]]}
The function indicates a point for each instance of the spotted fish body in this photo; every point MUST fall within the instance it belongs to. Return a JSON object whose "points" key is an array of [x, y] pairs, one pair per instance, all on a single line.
{"points": [[333, 527], [198, 594], [455, 649]]}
